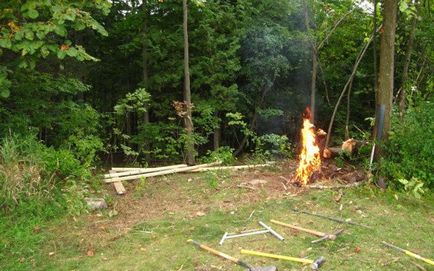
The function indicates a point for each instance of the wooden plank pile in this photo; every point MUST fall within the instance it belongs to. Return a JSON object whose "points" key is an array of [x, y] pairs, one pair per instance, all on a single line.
{"points": [[116, 175]]}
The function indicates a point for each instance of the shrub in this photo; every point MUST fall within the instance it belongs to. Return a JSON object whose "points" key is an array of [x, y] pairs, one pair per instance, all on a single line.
{"points": [[269, 145], [410, 150], [32, 174], [223, 154]]}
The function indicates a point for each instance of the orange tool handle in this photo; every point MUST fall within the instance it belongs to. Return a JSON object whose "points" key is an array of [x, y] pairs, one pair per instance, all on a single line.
{"points": [[221, 254], [317, 233]]}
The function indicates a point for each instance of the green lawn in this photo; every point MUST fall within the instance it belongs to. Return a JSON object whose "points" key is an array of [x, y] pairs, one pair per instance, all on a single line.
{"points": [[155, 219]]}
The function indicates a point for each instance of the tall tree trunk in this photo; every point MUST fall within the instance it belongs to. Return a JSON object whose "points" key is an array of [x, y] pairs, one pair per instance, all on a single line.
{"points": [[384, 93], [189, 144], [217, 137], [314, 63], [145, 58], [407, 60]]}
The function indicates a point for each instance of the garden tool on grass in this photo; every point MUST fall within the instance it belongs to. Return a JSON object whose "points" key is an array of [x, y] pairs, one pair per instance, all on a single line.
{"points": [[266, 229], [314, 264], [324, 236], [232, 259], [409, 253]]}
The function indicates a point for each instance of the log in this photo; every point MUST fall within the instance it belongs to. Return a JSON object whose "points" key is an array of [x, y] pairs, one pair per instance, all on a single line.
{"points": [[232, 167], [153, 169], [351, 146], [331, 152], [159, 173]]}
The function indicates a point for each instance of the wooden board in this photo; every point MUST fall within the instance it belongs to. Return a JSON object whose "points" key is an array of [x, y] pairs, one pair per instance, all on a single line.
{"points": [[152, 169], [159, 173], [119, 187], [114, 174]]}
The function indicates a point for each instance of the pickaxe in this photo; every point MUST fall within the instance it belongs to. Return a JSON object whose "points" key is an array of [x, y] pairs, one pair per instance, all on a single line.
{"points": [[314, 264], [324, 236]]}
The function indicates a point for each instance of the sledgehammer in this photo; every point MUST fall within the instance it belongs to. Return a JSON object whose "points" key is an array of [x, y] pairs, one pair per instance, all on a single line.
{"points": [[232, 259], [314, 264], [323, 235]]}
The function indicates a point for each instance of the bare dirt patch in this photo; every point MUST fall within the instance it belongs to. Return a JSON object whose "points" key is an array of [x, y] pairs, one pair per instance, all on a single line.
{"points": [[188, 195]]}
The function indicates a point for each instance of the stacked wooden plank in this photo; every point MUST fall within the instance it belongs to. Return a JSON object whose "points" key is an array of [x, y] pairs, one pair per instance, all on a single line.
{"points": [[117, 175]]}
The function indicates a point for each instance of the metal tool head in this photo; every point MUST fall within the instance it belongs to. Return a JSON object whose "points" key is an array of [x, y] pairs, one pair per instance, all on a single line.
{"points": [[273, 232], [256, 268], [263, 268], [317, 263], [331, 236]]}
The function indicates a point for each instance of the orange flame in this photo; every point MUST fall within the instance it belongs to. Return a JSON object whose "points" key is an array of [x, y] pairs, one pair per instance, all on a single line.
{"points": [[310, 159]]}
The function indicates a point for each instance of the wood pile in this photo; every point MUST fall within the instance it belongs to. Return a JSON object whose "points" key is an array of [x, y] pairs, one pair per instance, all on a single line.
{"points": [[116, 175]]}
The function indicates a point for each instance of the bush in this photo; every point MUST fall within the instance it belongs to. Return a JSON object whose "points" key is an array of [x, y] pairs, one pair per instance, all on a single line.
{"points": [[272, 145], [32, 174], [223, 154], [409, 153]]}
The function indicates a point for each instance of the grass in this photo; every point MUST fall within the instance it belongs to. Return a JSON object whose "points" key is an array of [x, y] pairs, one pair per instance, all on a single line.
{"points": [[158, 241]]}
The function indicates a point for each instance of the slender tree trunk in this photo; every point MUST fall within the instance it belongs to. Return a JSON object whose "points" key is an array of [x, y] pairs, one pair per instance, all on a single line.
{"points": [[217, 137], [347, 119], [384, 93], [313, 85], [145, 58], [314, 64], [349, 81], [188, 121], [407, 60]]}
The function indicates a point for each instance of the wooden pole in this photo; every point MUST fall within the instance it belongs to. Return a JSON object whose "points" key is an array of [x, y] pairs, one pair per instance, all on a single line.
{"points": [[135, 171], [159, 173], [231, 167], [152, 169]]}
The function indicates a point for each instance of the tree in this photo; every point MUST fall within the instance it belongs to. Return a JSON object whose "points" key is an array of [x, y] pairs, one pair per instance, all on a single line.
{"points": [[188, 121], [384, 93]]}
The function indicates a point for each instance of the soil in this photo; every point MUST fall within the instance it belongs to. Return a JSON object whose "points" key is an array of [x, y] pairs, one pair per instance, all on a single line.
{"points": [[173, 194]]}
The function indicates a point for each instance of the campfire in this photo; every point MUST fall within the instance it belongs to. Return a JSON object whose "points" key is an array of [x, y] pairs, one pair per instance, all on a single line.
{"points": [[310, 158]]}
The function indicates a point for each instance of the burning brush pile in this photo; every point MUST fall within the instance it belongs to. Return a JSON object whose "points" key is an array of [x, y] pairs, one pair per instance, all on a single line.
{"points": [[311, 167]]}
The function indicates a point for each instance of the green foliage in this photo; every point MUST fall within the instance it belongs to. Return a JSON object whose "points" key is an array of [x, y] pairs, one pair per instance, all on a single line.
{"points": [[272, 145], [223, 154], [409, 152], [31, 172], [133, 102], [414, 186]]}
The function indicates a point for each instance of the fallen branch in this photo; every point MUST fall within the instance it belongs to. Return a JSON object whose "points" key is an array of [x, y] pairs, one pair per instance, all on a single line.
{"points": [[159, 173]]}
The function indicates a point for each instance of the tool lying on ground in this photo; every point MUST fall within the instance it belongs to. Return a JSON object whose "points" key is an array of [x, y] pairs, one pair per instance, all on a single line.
{"points": [[324, 236], [339, 220], [409, 253], [314, 264], [233, 259], [267, 229]]}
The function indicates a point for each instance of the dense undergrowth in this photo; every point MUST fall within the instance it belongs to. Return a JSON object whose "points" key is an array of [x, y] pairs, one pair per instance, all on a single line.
{"points": [[38, 184], [408, 161]]}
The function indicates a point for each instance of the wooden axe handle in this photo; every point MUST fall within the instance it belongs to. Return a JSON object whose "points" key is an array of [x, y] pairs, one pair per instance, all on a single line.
{"points": [[317, 233]]}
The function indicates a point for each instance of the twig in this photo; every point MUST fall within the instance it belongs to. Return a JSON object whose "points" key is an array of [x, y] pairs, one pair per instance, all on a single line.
{"points": [[251, 214]]}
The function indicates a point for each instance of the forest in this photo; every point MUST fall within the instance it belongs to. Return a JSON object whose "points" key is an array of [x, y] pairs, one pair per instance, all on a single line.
{"points": [[212, 115]]}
